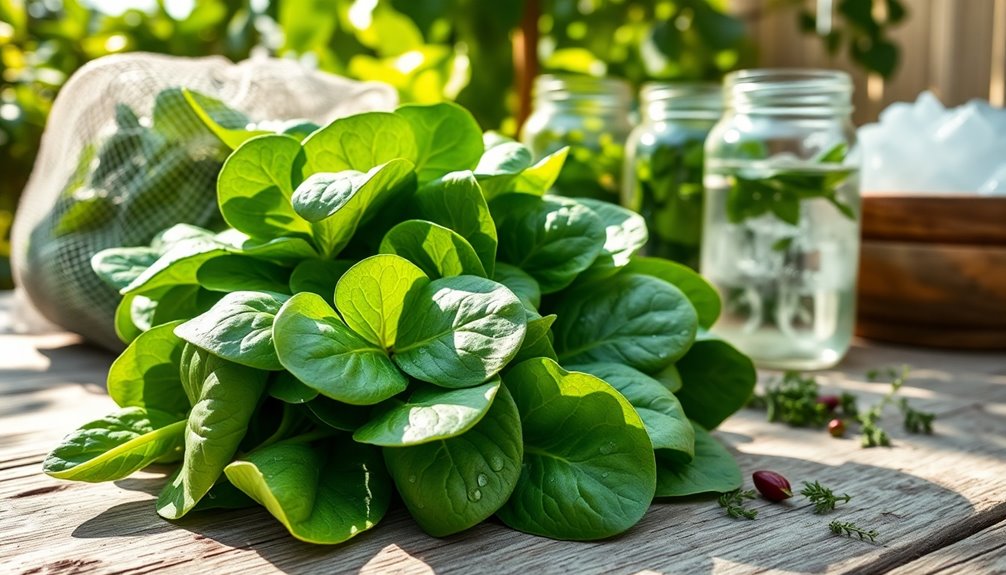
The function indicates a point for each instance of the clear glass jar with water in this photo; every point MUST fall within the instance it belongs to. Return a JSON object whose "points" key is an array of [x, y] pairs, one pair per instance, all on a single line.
{"points": [[781, 218], [591, 116], [663, 165]]}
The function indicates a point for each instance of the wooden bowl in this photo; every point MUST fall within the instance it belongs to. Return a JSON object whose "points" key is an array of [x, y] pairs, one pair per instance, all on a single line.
{"points": [[933, 270]]}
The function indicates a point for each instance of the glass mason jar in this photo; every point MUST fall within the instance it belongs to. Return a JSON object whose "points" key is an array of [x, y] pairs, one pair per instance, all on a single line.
{"points": [[591, 116], [781, 229], [663, 165]]}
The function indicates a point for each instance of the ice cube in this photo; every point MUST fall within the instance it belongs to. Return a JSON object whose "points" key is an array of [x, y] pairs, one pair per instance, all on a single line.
{"points": [[996, 185]]}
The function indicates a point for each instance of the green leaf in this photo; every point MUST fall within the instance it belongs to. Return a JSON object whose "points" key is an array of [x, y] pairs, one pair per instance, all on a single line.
{"points": [[669, 377], [553, 239], [662, 415], [521, 284], [507, 168], [636, 320], [537, 340], [589, 470], [447, 138], [472, 475], [212, 112], [438, 251], [625, 234], [118, 267], [177, 266], [371, 296], [712, 470], [360, 142], [255, 186], [146, 374], [338, 415], [181, 302], [339, 202], [319, 349], [242, 273], [455, 201], [238, 328], [285, 387], [459, 331], [227, 396], [717, 380], [125, 328], [322, 493], [116, 445], [430, 414], [700, 292], [319, 277], [286, 251]]}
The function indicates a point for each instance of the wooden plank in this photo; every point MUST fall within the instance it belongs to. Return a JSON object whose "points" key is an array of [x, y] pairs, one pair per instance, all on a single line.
{"points": [[905, 492], [984, 552], [961, 55]]}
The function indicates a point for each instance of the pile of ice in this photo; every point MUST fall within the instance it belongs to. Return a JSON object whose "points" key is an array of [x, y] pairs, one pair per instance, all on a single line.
{"points": [[924, 147]]}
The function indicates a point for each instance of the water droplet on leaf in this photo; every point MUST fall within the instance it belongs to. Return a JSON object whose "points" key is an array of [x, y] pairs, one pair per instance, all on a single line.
{"points": [[482, 479], [474, 494]]}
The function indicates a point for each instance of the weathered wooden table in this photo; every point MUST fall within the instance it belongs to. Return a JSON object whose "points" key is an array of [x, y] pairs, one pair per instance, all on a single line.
{"points": [[938, 501]]}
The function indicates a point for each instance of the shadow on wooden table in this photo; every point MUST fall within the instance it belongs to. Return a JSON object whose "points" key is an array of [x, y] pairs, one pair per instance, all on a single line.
{"points": [[692, 537]]}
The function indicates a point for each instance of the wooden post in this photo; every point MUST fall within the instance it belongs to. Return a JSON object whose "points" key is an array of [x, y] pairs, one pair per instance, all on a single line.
{"points": [[525, 48]]}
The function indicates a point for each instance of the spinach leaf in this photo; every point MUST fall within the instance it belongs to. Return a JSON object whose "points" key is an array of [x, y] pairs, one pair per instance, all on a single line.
{"points": [[507, 168], [438, 251], [669, 377], [459, 331], [372, 294], [338, 415], [285, 387], [118, 267], [236, 273], [589, 469], [521, 284], [146, 374], [255, 186], [472, 474], [227, 395], [712, 470], [431, 413], [447, 138], [661, 412], [238, 328], [217, 117], [319, 349], [322, 493], [700, 292], [318, 276], [177, 266], [552, 239], [360, 143], [717, 380], [537, 339], [625, 234], [337, 203], [635, 320], [455, 201], [116, 445]]}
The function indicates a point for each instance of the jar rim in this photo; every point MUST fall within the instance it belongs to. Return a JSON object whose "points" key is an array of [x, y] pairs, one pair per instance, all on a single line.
{"points": [[558, 87], [789, 90]]}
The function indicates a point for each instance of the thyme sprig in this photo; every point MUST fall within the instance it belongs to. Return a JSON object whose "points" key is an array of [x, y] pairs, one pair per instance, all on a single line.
{"points": [[824, 499], [848, 528], [733, 502]]}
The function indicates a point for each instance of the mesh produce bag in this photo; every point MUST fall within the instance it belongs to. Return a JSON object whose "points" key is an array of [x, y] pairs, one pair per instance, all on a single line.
{"points": [[133, 145]]}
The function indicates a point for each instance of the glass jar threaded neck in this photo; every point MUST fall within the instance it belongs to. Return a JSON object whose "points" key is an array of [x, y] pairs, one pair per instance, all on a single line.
{"points": [[805, 92], [571, 91], [664, 100]]}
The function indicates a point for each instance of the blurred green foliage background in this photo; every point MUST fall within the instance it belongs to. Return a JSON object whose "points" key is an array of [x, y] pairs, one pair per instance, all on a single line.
{"points": [[428, 50]]}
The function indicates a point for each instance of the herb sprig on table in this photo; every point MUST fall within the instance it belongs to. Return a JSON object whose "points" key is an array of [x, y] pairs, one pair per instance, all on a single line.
{"points": [[399, 306]]}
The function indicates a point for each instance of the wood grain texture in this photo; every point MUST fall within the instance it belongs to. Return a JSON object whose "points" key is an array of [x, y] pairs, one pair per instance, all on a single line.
{"points": [[983, 552], [925, 495], [940, 295], [934, 218]]}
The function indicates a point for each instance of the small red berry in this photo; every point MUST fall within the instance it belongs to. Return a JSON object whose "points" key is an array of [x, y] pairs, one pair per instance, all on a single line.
{"points": [[831, 402], [772, 486], [836, 427]]}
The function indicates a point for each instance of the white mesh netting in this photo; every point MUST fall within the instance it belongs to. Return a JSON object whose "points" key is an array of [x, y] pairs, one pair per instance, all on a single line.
{"points": [[124, 156]]}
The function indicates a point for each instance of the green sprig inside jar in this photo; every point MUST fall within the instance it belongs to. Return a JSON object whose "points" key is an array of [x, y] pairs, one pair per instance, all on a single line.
{"points": [[589, 115], [664, 161]]}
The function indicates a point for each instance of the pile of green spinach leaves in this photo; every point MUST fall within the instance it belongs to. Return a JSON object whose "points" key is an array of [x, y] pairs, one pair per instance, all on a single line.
{"points": [[398, 305]]}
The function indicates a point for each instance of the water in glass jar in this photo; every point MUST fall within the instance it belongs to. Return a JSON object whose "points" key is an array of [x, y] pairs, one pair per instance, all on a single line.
{"points": [[782, 248]]}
